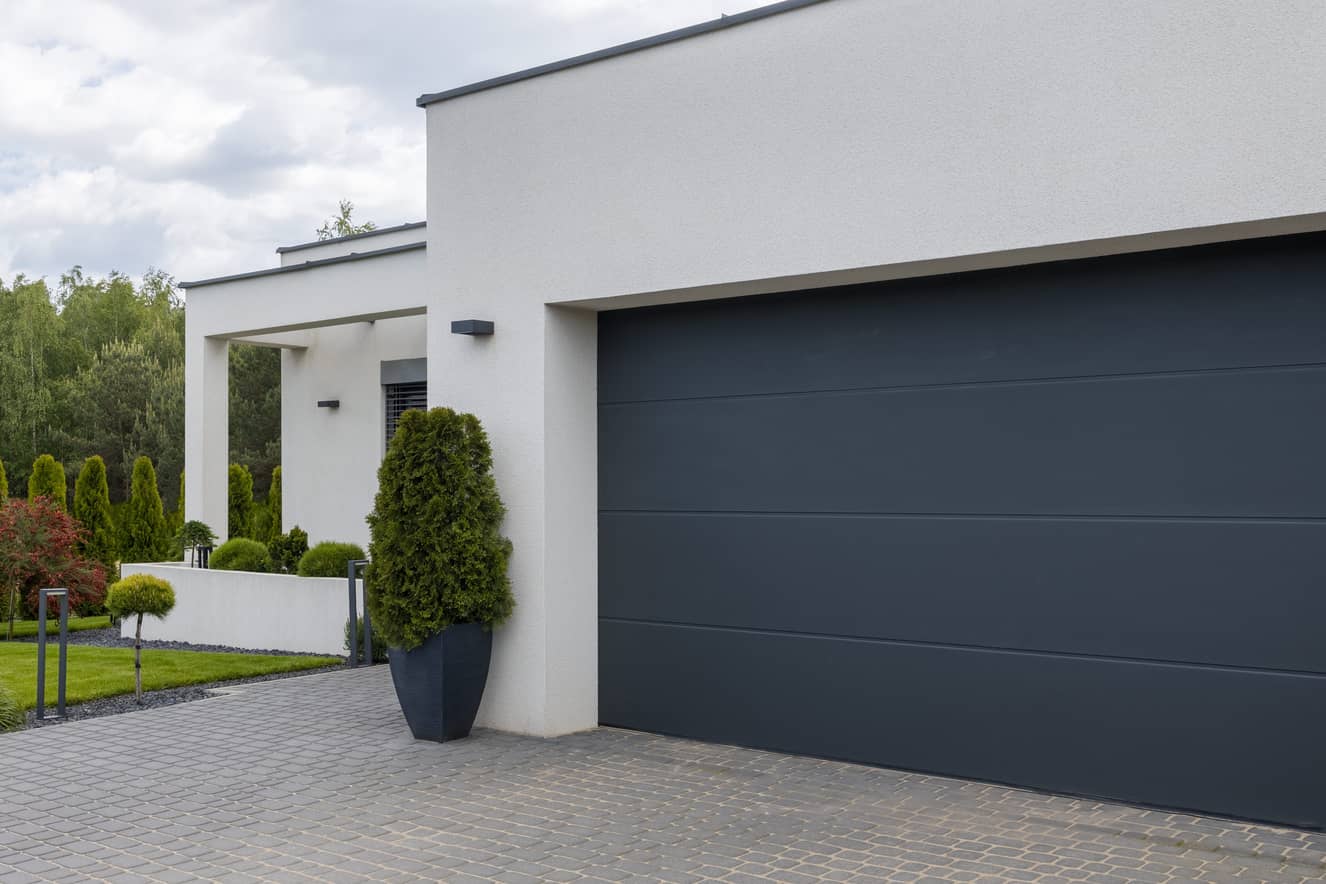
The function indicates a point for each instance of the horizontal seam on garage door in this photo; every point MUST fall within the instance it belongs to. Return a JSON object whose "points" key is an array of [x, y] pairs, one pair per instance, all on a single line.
{"points": [[961, 385], [983, 649], [1038, 517]]}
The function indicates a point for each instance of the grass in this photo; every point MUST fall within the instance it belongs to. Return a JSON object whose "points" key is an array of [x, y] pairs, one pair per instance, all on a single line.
{"points": [[107, 672], [28, 628]]}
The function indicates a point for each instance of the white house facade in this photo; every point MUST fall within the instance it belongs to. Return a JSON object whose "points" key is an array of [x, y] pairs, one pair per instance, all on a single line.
{"points": [[930, 385]]}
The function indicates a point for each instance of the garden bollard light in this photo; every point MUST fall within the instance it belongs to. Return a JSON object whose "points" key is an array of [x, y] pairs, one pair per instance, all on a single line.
{"points": [[42, 596]]}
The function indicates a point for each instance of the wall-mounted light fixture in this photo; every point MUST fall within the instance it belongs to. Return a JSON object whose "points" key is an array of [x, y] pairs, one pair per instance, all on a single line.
{"points": [[471, 327], [329, 403]]}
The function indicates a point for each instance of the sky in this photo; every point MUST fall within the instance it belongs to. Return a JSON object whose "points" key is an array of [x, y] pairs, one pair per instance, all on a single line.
{"points": [[195, 136]]}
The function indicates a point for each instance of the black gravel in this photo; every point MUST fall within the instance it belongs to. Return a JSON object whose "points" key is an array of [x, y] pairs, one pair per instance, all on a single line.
{"points": [[110, 638], [156, 699]]}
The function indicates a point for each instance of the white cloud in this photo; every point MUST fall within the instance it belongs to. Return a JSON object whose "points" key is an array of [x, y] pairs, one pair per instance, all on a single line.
{"points": [[198, 136]]}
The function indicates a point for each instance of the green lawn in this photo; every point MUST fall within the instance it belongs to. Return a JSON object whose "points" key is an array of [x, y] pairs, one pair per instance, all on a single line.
{"points": [[28, 628], [106, 672]]}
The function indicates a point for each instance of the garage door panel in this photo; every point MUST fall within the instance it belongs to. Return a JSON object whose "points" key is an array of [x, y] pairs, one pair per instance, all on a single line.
{"points": [[1217, 740], [1175, 590], [1233, 443], [1060, 526], [1222, 307]]}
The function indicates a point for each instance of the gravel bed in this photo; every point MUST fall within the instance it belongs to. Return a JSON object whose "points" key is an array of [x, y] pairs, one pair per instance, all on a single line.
{"points": [[156, 699], [110, 638]]}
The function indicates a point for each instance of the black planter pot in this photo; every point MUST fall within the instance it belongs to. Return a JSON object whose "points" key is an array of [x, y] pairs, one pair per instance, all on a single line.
{"points": [[440, 683]]}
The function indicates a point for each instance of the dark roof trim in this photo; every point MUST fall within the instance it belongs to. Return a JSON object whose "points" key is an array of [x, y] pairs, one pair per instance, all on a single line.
{"points": [[718, 24], [327, 242], [308, 265]]}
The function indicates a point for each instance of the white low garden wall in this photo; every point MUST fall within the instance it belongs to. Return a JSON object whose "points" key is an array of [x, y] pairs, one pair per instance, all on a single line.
{"points": [[241, 609]]}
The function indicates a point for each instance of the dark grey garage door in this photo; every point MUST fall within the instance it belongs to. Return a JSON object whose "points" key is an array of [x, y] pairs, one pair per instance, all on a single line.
{"points": [[1060, 526]]}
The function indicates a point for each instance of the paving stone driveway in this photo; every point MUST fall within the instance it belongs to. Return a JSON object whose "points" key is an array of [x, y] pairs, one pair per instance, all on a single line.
{"points": [[316, 778]]}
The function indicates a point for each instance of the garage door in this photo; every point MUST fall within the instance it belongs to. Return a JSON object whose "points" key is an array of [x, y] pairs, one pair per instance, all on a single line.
{"points": [[1061, 526]]}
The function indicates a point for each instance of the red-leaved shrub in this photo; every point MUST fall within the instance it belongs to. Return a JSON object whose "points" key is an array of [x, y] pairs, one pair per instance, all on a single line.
{"points": [[39, 549]]}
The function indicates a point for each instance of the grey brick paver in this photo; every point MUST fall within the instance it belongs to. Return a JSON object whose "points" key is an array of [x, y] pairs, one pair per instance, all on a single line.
{"points": [[316, 779]]}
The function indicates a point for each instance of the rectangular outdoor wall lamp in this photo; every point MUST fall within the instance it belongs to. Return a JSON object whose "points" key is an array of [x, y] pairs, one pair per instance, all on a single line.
{"points": [[471, 327], [329, 403]]}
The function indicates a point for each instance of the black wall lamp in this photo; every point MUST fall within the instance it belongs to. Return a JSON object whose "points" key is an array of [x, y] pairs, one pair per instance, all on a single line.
{"points": [[329, 403], [471, 327]]}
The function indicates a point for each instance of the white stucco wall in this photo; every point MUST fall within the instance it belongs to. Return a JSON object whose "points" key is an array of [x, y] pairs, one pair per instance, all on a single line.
{"points": [[330, 457], [239, 609], [336, 323], [847, 141]]}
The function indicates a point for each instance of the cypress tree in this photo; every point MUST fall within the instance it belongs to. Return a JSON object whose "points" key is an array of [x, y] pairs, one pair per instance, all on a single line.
{"points": [[48, 480], [92, 509], [143, 534], [4, 484], [239, 520], [274, 503]]}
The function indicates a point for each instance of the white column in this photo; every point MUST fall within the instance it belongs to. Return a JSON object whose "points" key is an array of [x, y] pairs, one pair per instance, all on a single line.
{"points": [[532, 384], [206, 429]]}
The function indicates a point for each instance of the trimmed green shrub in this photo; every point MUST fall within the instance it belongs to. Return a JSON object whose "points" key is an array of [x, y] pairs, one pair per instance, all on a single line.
{"points": [[141, 595], [240, 512], [4, 484], [288, 549], [48, 480], [93, 511], [175, 519], [438, 553], [143, 533], [11, 716], [241, 554], [379, 649], [329, 559], [274, 504]]}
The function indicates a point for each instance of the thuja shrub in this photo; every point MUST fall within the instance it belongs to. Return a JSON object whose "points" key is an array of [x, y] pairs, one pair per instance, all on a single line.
{"points": [[240, 507], [144, 536], [92, 509], [438, 553], [140, 595], [287, 549], [48, 480], [241, 554], [274, 504], [329, 559], [4, 484]]}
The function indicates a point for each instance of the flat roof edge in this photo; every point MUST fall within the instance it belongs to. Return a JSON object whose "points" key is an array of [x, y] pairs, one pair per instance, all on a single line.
{"points": [[281, 250], [307, 265], [718, 24]]}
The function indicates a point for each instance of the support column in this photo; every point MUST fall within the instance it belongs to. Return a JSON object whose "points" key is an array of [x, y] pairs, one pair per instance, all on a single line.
{"points": [[206, 430]]}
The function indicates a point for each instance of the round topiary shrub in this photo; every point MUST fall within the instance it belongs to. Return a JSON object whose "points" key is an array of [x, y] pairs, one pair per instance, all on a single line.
{"points": [[11, 716], [439, 557], [145, 596], [329, 559], [241, 554]]}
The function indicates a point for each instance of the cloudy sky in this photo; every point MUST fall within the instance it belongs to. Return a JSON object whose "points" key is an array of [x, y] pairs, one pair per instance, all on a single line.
{"points": [[196, 135]]}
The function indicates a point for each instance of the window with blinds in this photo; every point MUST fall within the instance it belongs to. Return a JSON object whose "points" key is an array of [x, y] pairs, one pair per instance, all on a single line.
{"points": [[400, 399]]}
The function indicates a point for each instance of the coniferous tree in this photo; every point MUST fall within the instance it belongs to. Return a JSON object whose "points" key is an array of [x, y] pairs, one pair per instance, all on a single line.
{"points": [[143, 533], [4, 484], [274, 504], [239, 520], [93, 511], [48, 480]]}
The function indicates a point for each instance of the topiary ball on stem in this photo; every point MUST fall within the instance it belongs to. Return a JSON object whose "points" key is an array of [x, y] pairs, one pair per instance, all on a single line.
{"points": [[145, 596]]}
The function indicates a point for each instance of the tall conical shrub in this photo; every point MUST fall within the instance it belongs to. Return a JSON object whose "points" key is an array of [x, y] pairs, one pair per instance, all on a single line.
{"points": [[239, 521], [48, 480], [143, 533], [438, 554], [93, 511], [4, 484], [274, 505]]}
